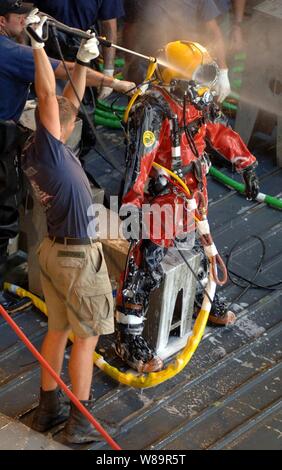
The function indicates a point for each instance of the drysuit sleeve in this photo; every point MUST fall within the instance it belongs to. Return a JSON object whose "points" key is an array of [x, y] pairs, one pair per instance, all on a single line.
{"points": [[146, 128], [229, 145]]}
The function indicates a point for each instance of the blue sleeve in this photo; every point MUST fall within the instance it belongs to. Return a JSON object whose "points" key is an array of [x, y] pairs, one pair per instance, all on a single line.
{"points": [[23, 67], [207, 10], [223, 5], [111, 9], [48, 149]]}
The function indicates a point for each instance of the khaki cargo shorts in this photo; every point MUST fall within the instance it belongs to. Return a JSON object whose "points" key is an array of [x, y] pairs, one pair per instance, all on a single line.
{"points": [[77, 288]]}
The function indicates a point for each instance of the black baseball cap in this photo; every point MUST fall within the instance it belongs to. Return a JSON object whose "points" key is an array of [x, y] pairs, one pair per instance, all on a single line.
{"points": [[15, 6]]}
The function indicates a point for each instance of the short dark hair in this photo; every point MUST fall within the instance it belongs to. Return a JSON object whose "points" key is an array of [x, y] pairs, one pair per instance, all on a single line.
{"points": [[67, 110]]}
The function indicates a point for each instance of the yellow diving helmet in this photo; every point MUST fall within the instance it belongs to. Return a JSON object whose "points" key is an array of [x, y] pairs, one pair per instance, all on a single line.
{"points": [[187, 60]]}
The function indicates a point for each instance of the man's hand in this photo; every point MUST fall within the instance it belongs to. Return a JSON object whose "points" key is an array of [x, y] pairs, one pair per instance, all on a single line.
{"points": [[222, 86], [252, 183], [106, 91], [32, 18], [88, 50], [34, 29], [122, 86]]}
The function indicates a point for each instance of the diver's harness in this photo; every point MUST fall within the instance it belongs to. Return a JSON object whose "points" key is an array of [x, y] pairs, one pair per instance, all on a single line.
{"points": [[202, 162], [201, 165]]}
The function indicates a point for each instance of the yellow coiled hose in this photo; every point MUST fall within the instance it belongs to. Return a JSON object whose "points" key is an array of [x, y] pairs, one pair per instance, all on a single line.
{"points": [[144, 380]]}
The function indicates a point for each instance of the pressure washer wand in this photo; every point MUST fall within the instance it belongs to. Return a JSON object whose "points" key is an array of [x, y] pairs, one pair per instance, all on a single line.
{"points": [[84, 35], [104, 42]]}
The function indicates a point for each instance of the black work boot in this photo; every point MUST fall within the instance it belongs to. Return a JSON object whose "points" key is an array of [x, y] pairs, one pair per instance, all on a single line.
{"points": [[52, 410], [79, 430]]}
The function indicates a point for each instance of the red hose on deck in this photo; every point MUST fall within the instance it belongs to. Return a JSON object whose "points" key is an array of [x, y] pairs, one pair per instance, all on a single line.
{"points": [[59, 381]]}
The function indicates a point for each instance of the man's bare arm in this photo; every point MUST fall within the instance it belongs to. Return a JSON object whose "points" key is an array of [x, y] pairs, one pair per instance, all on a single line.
{"points": [[239, 10], [79, 81], [217, 42], [109, 30], [45, 88], [95, 79], [44, 81], [236, 34]]}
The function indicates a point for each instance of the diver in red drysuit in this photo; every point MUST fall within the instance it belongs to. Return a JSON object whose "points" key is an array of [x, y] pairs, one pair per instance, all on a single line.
{"points": [[175, 127]]}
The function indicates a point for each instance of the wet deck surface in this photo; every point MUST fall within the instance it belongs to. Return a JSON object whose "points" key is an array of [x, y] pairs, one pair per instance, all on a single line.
{"points": [[229, 396]]}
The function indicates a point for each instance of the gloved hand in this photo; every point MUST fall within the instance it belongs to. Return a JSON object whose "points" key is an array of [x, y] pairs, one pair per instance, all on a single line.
{"points": [[105, 91], [122, 86], [251, 182], [32, 18], [36, 22], [88, 50], [132, 222], [222, 86]]}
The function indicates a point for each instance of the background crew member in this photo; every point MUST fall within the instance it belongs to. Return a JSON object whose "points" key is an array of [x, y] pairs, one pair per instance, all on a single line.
{"points": [[233, 27], [150, 25]]}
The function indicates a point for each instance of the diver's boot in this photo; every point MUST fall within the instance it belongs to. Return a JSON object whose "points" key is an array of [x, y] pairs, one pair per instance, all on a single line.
{"points": [[219, 314], [52, 410], [79, 430], [135, 351]]}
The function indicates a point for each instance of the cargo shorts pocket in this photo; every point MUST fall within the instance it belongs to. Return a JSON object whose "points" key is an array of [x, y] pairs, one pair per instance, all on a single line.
{"points": [[94, 310], [102, 306]]}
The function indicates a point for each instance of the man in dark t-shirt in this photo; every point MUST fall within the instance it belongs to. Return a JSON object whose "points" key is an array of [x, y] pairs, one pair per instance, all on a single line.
{"points": [[74, 275], [58, 182]]}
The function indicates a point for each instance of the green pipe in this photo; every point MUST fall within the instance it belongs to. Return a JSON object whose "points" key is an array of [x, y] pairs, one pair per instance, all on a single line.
{"points": [[107, 106], [230, 106], [238, 69], [270, 200], [106, 114], [119, 76], [119, 62], [111, 123], [240, 56]]}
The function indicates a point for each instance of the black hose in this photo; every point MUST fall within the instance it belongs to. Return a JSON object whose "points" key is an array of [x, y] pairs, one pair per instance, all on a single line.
{"points": [[251, 284], [107, 159], [188, 134], [193, 272]]}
